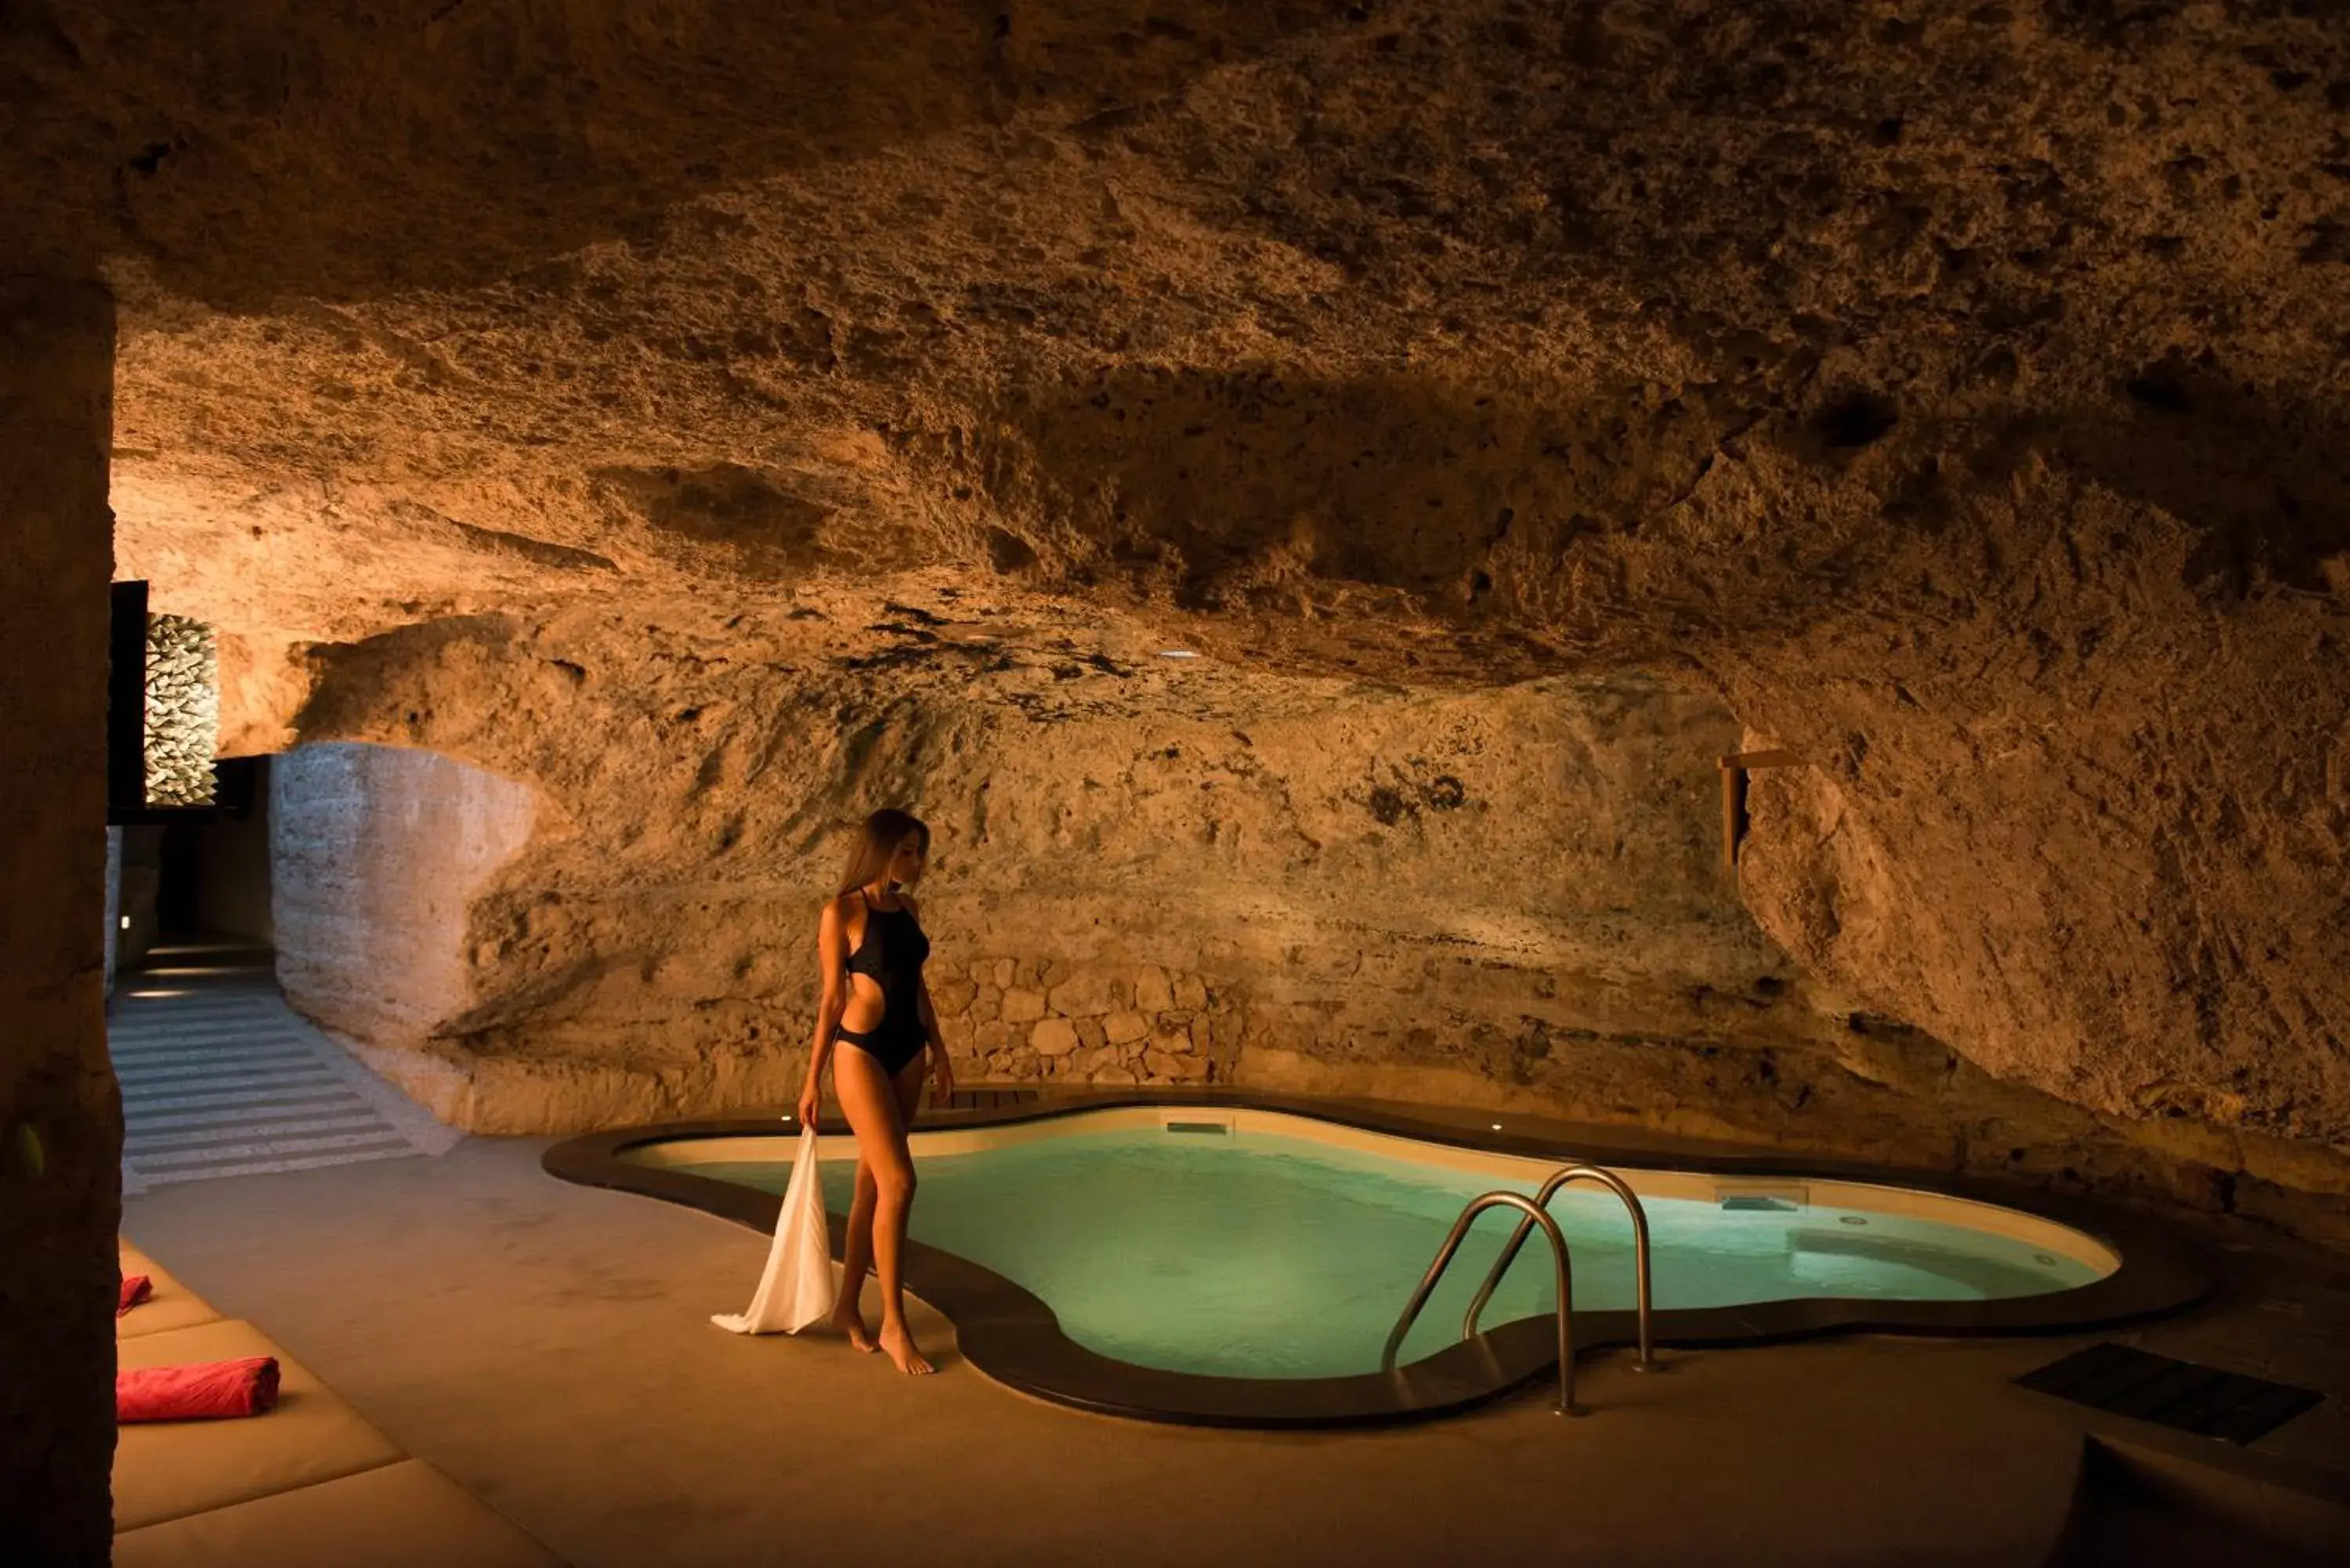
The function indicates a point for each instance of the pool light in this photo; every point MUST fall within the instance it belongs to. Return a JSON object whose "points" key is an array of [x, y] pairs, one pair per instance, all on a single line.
{"points": [[1176, 653]]}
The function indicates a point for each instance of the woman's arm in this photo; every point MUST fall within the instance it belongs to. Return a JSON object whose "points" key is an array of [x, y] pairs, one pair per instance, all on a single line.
{"points": [[832, 969], [941, 1068], [930, 1022]]}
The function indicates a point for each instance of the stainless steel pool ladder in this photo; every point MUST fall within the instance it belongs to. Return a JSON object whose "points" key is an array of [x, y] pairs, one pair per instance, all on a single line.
{"points": [[1536, 1211]]}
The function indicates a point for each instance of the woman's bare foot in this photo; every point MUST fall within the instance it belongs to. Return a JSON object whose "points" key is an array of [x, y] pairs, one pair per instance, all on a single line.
{"points": [[849, 1318], [899, 1340]]}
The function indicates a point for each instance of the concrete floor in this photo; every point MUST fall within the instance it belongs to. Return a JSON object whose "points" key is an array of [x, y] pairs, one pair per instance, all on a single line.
{"points": [[549, 1347]]}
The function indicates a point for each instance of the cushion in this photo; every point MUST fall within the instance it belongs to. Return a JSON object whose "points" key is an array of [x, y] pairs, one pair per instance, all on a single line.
{"points": [[171, 1469], [172, 1305], [395, 1516]]}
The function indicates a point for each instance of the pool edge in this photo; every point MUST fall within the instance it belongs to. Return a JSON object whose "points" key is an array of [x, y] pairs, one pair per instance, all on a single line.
{"points": [[1012, 1335]]}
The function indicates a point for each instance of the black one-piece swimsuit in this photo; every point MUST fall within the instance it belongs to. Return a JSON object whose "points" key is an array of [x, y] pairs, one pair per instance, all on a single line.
{"points": [[891, 954]]}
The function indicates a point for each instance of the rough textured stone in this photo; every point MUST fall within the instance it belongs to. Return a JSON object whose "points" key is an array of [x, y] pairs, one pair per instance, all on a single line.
{"points": [[378, 856], [1954, 392], [183, 711], [1124, 1028], [60, 1114], [1151, 991], [1054, 1037], [724, 949], [1022, 1006], [1089, 994]]}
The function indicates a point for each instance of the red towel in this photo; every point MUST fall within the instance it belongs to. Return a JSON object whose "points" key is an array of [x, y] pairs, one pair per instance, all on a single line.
{"points": [[200, 1392], [136, 1288]]}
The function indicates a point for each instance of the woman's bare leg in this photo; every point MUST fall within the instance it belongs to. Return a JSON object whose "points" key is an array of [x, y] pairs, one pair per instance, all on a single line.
{"points": [[909, 1088], [857, 1259], [876, 1112]]}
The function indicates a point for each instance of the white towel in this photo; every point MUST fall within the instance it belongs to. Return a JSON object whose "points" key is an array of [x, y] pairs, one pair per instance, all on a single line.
{"points": [[801, 1283]]}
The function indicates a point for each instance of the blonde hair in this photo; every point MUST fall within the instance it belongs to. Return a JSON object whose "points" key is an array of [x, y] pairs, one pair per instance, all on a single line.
{"points": [[875, 841]]}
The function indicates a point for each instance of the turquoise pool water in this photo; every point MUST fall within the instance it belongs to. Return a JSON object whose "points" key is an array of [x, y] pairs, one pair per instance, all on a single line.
{"points": [[1258, 1255]]}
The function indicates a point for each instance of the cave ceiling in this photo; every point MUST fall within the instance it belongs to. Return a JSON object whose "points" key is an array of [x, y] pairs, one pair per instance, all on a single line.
{"points": [[1957, 390], [1504, 335]]}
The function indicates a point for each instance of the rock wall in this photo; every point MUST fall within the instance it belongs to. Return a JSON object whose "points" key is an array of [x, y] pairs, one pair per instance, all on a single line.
{"points": [[1955, 390], [2034, 870], [60, 1113], [376, 856], [1161, 871], [1025, 1018], [1476, 881]]}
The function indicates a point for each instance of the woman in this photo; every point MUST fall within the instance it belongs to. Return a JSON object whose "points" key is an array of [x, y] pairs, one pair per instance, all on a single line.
{"points": [[870, 946]]}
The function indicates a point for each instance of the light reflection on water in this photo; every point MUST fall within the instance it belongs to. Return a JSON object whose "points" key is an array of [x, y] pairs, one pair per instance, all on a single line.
{"points": [[1266, 1256]]}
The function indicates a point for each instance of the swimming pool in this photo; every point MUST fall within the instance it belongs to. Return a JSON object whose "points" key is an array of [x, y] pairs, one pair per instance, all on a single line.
{"points": [[1238, 1258], [1251, 1245]]}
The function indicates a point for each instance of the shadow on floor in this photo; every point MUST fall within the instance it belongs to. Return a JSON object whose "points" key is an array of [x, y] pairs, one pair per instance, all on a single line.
{"points": [[2163, 1501]]}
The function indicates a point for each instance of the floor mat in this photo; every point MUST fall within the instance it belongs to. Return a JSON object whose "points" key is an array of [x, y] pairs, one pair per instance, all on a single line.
{"points": [[2205, 1400]]}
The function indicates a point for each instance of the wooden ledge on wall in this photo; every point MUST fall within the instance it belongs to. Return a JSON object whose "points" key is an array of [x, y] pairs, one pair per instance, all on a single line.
{"points": [[1734, 769]]}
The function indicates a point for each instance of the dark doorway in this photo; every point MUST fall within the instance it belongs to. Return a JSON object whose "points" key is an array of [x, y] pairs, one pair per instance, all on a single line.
{"points": [[213, 874]]}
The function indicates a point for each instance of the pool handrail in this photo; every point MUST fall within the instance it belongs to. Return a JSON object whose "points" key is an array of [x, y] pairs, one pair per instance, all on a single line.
{"points": [[1534, 1214], [1557, 1179]]}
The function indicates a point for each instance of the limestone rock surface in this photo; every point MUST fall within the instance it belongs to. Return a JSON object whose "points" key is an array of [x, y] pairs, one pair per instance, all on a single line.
{"points": [[1954, 393], [60, 1109]]}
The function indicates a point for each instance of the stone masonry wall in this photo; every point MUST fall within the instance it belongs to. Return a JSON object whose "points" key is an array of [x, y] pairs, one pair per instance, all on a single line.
{"points": [[375, 855], [1021, 1018]]}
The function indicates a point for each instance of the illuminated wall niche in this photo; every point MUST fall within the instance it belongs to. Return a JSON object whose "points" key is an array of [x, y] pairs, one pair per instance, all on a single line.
{"points": [[183, 711], [162, 713]]}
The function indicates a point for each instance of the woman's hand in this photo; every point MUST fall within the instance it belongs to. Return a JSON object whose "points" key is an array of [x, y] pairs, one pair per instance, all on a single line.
{"points": [[810, 1099], [942, 1080]]}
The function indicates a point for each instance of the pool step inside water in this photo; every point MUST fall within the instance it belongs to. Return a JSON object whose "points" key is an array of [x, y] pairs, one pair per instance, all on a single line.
{"points": [[1749, 1195]]}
